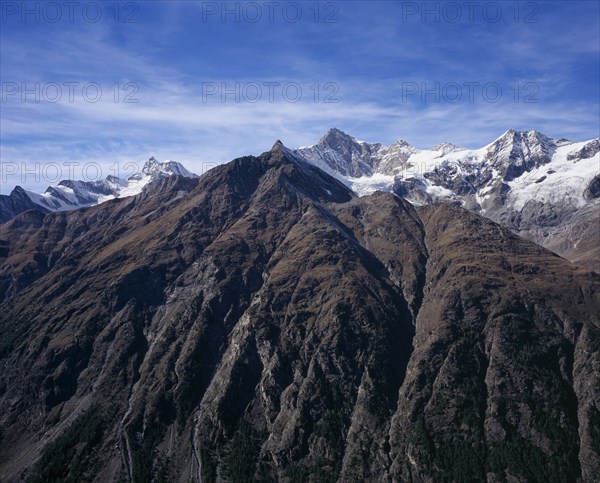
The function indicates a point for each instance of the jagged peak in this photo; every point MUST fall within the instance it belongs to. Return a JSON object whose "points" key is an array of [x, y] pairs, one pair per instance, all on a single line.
{"points": [[512, 134], [278, 146], [278, 153], [68, 183], [18, 189], [532, 133], [563, 142], [155, 169], [509, 135], [279, 150], [335, 130], [150, 165], [281, 153], [334, 133]]}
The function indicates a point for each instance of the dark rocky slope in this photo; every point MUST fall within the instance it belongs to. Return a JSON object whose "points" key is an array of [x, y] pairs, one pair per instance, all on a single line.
{"points": [[265, 324]]}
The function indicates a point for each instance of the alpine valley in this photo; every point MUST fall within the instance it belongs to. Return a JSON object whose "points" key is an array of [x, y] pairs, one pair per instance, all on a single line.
{"points": [[344, 312]]}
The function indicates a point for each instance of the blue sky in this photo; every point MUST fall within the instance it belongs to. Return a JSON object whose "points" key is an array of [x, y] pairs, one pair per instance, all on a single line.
{"points": [[210, 81]]}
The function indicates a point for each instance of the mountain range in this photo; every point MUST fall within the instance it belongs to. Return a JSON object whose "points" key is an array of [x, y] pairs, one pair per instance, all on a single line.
{"points": [[544, 190], [71, 194], [265, 323]]}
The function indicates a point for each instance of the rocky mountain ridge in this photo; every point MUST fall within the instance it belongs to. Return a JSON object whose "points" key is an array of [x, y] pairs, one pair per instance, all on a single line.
{"points": [[542, 189]]}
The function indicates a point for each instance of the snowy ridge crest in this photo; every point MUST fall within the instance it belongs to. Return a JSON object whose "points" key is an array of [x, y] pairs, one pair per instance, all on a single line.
{"points": [[72, 194], [516, 167]]}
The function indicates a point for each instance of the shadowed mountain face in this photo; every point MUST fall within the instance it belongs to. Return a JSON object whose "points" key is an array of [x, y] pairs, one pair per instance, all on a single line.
{"points": [[263, 323]]}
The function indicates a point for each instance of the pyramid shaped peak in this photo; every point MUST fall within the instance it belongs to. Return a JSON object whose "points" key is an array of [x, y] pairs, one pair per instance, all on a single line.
{"points": [[334, 134]]}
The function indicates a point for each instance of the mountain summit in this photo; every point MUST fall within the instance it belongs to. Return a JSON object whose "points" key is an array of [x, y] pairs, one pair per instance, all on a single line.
{"points": [[264, 323]]}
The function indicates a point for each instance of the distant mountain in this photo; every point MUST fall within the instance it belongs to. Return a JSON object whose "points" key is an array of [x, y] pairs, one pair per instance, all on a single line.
{"points": [[545, 190], [70, 194], [263, 323]]}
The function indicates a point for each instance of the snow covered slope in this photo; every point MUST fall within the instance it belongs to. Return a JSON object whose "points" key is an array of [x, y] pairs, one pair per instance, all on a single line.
{"points": [[70, 194], [543, 189]]}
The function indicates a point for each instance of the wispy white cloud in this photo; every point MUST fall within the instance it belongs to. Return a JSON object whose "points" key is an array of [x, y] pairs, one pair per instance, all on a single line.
{"points": [[368, 54]]}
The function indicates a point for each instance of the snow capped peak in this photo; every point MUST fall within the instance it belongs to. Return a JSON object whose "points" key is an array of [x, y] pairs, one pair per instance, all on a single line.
{"points": [[335, 137], [517, 152], [151, 166], [71, 194], [156, 170], [508, 138], [547, 191], [342, 153], [521, 142], [480, 178], [174, 168], [509, 134], [445, 148], [534, 135], [67, 183], [334, 131], [513, 136]]}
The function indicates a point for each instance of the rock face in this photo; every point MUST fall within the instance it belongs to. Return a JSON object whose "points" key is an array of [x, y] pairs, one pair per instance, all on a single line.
{"points": [[263, 323], [70, 194], [544, 190]]}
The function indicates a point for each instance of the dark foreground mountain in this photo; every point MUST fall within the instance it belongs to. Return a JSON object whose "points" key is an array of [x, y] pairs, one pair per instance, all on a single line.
{"points": [[265, 324]]}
